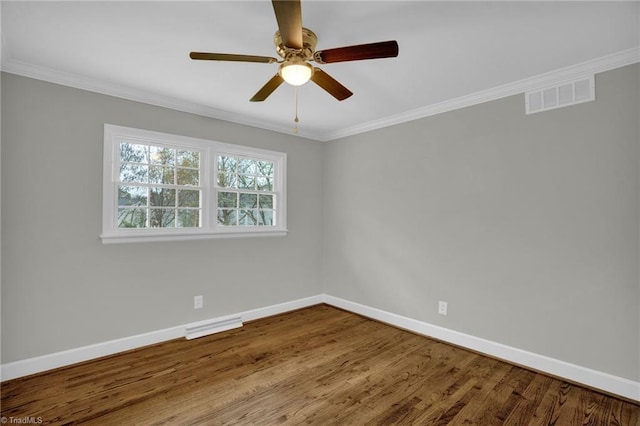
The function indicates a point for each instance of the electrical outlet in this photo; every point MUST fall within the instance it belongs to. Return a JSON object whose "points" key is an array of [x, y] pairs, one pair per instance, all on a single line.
{"points": [[442, 308], [198, 302]]}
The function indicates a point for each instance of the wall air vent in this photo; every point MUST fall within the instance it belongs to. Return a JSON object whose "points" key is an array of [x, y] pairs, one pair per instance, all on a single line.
{"points": [[565, 94]]}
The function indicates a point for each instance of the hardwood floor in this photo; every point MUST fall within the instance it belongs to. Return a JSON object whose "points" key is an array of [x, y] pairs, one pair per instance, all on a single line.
{"points": [[318, 365]]}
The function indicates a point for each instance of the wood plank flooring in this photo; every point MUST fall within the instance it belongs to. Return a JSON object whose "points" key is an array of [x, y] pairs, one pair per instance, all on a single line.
{"points": [[318, 365]]}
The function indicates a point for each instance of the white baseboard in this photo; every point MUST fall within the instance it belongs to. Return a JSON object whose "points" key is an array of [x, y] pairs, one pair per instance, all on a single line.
{"points": [[575, 373], [42, 363], [592, 378], [282, 307]]}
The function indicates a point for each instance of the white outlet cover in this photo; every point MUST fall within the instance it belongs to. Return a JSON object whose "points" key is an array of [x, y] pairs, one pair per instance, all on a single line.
{"points": [[442, 308], [198, 302]]}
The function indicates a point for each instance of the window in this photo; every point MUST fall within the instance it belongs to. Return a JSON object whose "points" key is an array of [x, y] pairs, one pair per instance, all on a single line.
{"points": [[245, 191], [158, 186], [167, 187]]}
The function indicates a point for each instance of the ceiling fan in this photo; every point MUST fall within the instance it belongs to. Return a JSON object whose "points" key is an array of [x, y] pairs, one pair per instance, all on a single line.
{"points": [[296, 46]]}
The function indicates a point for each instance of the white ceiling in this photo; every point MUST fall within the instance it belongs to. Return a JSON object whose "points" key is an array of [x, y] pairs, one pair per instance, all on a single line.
{"points": [[448, 51]]}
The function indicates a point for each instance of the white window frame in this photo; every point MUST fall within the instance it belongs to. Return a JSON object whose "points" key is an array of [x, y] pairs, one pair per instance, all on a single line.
{"points": [[209, 151]]}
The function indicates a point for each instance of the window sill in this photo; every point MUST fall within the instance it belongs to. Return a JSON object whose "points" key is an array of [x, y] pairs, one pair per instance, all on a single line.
{"points": [[151, 236]]}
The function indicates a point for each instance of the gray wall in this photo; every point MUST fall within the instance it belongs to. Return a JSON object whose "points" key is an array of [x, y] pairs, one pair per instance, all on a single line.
{"points": [[62, 288], [526, 225]]}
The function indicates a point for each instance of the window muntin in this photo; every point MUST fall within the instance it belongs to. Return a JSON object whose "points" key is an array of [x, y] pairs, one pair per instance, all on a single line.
{"points": [[162, 187]]}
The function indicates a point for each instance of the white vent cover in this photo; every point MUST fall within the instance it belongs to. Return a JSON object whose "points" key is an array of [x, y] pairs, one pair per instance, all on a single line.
{"points": [[204, 328], [561, 95]]}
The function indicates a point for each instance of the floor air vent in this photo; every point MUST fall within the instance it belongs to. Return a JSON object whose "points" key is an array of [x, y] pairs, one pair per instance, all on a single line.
{"points": [[561, 95], [204, 328]]}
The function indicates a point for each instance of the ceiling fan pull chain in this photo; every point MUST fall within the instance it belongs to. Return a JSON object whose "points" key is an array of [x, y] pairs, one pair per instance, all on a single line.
{"points": [[295, 129]]}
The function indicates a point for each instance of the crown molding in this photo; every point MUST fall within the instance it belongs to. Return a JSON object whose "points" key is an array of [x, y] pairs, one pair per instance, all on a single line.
{"points": [[605, 63], [126, 92]]}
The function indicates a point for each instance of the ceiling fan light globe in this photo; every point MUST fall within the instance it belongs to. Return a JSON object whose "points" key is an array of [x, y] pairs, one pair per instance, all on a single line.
{"points": [[296, 73]]}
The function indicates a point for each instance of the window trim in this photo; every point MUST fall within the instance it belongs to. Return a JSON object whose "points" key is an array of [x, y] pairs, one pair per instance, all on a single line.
{"points": [[209, 149]]}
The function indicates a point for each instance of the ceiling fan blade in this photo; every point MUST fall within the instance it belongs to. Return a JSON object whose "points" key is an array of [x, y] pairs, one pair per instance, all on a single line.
{"points": [[230, 57], [267, 89], [330, 84], [383, 49], [289, 17]]}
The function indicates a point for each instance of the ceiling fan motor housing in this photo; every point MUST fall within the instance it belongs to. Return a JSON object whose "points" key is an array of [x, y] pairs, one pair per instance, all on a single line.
{"points": [[309, 41]]}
